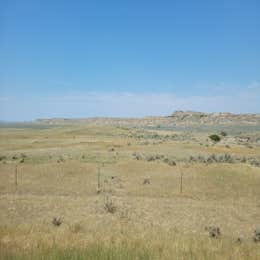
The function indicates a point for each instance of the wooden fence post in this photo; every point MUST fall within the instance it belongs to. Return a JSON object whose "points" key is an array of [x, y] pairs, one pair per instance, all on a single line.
{"points": [[181, 175], [15, 177], [98, 178]]}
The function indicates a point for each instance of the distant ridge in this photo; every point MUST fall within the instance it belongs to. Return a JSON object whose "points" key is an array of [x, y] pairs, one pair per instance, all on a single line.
{"points": [[219, 117], [178, 118]]}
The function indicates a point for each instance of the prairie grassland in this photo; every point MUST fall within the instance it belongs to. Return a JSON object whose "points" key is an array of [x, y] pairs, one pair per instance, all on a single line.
{"points": [[70, 172]]}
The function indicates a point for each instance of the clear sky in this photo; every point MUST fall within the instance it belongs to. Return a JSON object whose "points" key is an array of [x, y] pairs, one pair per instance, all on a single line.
{"points": [[128, 58]]}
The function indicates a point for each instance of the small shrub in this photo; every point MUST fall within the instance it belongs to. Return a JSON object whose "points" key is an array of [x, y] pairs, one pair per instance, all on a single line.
{"points": [[213, 157], [23, 156], [99, 190], [166, 160], [109, 206], [150, 158], [137, 156], [223, 133], [192, 159], [143, 142], [215, 138], [146, 181], [172, 163], [61, 159], [159, 156], [214, 232], [56, 222], [243, 160], [228, 158], [201, 159], [256, 236], [255, 162], [239, 240], [155, 136]]}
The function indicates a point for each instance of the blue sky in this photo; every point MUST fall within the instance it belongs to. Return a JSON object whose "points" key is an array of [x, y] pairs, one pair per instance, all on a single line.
{"points": [[128, 58]]}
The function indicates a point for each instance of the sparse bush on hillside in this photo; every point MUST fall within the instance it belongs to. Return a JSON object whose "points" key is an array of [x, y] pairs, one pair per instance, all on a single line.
{"points": [[215, 138], [159, 156], [214, 232], [156, 157], [256, 236], [61, 159], [137, 156], [144, 143], [254, 162], [56, 221], [202, 159], [243, 160], [147, 181], [171, 162], [109, 206], [23, 156], [228, 158], [223, 133], [213, 158], [150, 158]]}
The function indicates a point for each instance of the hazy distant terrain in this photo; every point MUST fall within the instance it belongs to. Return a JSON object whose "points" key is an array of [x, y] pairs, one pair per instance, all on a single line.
{"points": [[136, 188], [178, 118]]}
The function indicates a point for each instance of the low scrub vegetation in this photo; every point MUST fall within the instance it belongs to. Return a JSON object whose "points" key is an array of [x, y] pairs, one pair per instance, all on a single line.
{"points": [[109, 206], [223, 133], [225, 158], [155, 157]]}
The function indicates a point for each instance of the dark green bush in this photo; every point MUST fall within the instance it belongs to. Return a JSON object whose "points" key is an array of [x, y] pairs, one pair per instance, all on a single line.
{"points": [[215, 138]]}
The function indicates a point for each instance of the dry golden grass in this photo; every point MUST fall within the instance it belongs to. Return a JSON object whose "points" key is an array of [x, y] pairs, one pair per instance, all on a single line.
{"points": [[59, 179]]}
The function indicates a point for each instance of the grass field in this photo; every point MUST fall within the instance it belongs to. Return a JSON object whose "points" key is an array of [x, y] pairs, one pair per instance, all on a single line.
{"points": [[113, 206]]}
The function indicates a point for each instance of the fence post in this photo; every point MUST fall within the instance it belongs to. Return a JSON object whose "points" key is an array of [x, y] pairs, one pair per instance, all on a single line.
{"points": [[98, 178], [181, 174], [15, 177]]}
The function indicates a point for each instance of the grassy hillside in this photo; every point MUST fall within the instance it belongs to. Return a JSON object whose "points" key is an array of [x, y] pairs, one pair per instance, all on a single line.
{"points": [[127, 193]]}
